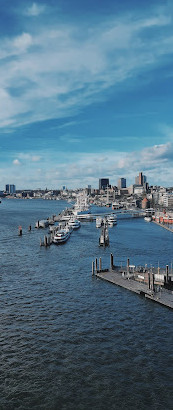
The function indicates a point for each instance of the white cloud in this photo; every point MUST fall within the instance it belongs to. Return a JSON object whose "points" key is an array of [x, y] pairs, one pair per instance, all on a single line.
{"points": [[81, 169], [22, 42], [35, 10], [35, 158], [29, 157], [16, 162], [61, 70]]}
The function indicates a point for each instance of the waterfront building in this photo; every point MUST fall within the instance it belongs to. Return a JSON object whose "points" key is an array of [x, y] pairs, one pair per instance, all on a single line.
{"points": [[103, 183], [121, 183]]}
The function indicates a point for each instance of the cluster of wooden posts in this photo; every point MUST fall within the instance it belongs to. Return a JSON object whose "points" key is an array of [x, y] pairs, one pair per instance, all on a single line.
{"points": [[20, 232]]}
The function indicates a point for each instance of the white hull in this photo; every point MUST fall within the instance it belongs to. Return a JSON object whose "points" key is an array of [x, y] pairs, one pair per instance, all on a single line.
{"points": [[99, 222], [61, 237], [148, 218], [74, 224], [112, 220]]}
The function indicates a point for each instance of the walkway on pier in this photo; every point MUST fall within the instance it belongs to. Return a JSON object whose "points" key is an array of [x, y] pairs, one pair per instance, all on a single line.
{"points": [[163, 297]]}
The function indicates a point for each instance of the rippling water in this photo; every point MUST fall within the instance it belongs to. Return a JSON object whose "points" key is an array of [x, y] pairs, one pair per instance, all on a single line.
{"points": [[70, 341]]}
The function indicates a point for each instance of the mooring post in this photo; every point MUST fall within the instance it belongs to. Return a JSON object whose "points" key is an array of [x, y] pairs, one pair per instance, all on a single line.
{"points": [[48, 241], [96, 265], [100, 264], [29, 228], [128, 264], [148, 280], [152, 281], [20, 231], [167, 273], [93, 268], [40, 242], [45, 240], [111, 261]]}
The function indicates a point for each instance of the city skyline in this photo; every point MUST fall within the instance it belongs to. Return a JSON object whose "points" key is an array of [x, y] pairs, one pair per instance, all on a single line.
{"points": [[86, 92]]}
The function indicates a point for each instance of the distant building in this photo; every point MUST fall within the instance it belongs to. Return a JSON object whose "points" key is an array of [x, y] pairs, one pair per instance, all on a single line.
{"points": [[10, 189], [168, 200], [103, 183], [140, 179], [145, 203], [88, 189], [121, 183], [138, 189]]}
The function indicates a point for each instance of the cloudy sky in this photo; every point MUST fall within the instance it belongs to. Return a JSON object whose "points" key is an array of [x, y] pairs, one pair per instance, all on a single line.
{"points": [[86, 91]]}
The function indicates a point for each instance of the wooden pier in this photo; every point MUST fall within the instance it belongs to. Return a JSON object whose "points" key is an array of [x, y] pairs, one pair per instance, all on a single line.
{"points": [[125, 278]]}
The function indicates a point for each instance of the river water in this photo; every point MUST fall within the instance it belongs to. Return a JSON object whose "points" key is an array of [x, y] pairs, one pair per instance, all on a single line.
{"points": [[71, 341]]}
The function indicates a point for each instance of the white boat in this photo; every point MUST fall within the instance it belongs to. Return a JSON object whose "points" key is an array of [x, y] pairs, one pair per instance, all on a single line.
{"points": [[148, 218], [42, 224], [74, 223], [61, 236], [99, 222], [112, 219]]}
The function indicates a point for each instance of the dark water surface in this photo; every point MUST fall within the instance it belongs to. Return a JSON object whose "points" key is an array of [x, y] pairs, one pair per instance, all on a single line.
{"points": [[68, 341]]}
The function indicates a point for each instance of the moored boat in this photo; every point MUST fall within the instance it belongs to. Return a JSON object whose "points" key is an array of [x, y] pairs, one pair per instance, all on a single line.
{"points": [[111, 219], [74, 223], [148, 218], [99, 222], [61, 236]]}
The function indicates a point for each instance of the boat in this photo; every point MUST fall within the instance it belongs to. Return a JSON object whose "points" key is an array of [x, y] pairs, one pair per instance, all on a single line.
{"points": [[112, 219], [42, 224], [148, 218], [99, 222], [74, 223], [61, 236]]}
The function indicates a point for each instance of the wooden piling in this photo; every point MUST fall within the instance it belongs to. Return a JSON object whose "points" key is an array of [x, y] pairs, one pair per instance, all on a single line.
{"points": [[167, 272], [96, 265], [148, 280], [128, 264], [20, 231], [93, 268], [45, 240], [29, 228], [111, 261], [100, 264]]}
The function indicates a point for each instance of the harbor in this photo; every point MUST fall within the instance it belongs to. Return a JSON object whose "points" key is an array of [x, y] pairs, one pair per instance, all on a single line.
{"points": [[55, 312]]}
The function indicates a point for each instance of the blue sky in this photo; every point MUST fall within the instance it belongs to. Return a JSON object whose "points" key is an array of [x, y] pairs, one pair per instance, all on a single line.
{"points": [[85, 92]]}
